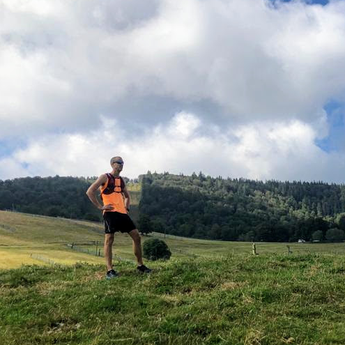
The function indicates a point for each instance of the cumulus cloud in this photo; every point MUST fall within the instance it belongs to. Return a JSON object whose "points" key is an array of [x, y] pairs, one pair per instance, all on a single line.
{"points": [[284, 151], [80, 80], [65, 63]]}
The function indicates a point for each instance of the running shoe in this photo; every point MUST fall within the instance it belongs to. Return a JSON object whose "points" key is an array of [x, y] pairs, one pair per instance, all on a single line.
{"points": [[111, 274], [143, 269]]}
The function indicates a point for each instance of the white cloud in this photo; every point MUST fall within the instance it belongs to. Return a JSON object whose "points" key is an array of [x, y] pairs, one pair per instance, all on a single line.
{"points": [[183, 126], [280, 150], [62, 63], [39, 7], [267, 71]]}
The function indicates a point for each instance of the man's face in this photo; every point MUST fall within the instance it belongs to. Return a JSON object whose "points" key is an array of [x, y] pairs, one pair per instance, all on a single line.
{"points": [[117, 164]]}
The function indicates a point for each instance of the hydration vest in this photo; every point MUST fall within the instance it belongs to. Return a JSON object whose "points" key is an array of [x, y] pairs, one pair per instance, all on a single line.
{"points": [[111, 193]]}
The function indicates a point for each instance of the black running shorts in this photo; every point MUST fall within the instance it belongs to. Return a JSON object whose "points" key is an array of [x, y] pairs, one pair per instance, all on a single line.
{"points": [[116, 221]]}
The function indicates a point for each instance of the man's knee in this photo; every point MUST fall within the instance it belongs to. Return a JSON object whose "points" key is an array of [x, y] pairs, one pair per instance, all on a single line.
{"points": [[136, 236], [109, 239]]}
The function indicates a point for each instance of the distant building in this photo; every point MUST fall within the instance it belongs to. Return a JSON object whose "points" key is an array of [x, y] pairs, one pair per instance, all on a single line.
{"points": [[301, 240]]}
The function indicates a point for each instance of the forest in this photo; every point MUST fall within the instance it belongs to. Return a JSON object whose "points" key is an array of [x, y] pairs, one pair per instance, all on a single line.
{"points": [[51, 196], [239, 209], [199, 206]]}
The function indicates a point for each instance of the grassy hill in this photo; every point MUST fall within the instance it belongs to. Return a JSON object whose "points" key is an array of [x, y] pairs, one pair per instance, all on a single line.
{"points": [[235, 299], [210, 292], [28, 239]]}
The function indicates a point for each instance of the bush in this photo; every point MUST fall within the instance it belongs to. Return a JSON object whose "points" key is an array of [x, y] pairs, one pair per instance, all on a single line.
{"points": [[317, 235], [335, 235], [155, 249]]}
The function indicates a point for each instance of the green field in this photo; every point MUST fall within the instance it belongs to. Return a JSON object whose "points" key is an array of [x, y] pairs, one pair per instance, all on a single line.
{"points": [[28, 239], [209, 292], [235, 299]]}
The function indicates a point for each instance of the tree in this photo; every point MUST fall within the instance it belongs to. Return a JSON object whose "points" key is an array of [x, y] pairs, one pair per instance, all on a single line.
{"points": [[157, 225], [335, 235], [154, 249], [317, 235], [248, 237], [340, 221], [145, 224], [91, 217], [215, 231]]}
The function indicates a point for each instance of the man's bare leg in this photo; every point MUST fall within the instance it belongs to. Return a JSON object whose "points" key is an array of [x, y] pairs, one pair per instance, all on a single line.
{"points": [[108, 250], [137, 246]]}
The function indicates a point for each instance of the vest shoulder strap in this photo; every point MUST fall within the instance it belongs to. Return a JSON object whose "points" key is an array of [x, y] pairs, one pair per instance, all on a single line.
{"points": [[114, 184], [111, 179]]}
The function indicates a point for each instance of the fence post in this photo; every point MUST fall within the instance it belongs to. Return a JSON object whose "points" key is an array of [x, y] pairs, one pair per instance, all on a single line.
{"points": [[254, 249]]}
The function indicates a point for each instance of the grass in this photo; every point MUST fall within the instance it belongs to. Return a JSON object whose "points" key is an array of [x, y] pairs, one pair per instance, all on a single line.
{"points": [[236, 299], [24, 238], [31, 239], [211, 248], [210, 292], [28, 239]]}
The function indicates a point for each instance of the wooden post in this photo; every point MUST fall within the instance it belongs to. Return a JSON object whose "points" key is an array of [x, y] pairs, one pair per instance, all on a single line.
{"points": [[254, 249], [289, 250]]}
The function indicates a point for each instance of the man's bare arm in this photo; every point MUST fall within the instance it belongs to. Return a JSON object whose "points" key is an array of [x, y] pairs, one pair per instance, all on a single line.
{"points": [[91, 193]]}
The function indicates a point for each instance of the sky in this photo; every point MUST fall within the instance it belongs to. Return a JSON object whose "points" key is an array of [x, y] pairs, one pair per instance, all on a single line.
{"points": [[235, 88]]}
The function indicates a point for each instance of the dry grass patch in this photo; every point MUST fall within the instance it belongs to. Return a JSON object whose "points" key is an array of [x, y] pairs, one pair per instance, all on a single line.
{"points": [[231, 285], [254, 337]]}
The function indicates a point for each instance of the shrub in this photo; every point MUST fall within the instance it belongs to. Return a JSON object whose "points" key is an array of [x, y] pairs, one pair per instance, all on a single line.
{"points": [[335, 235], [317, 235], [155, 249]]}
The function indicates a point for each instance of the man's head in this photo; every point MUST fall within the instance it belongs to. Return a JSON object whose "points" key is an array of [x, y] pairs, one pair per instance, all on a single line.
{"points": [[117, 163]]}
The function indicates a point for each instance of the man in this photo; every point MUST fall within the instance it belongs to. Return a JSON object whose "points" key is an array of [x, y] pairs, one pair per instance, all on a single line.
{"points": [[116, 202]]}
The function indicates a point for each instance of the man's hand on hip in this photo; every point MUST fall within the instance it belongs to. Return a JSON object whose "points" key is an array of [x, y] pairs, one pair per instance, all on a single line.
{"points": [[107, 207]]}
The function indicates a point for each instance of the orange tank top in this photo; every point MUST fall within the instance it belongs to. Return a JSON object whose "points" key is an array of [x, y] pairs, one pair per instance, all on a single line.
{"points": [[111, 193]]}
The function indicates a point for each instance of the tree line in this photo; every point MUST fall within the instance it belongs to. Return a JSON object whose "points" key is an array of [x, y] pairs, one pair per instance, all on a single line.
{"points": [[199, 206], [240, 209], [51, 196]]}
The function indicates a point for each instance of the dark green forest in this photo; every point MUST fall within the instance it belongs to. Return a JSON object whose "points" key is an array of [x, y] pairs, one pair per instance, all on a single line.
{"points": [[199, 206], [238, 209], [51, 196]]}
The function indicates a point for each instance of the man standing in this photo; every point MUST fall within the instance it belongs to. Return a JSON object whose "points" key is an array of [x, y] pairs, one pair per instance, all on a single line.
{"points": [[116, 201]]}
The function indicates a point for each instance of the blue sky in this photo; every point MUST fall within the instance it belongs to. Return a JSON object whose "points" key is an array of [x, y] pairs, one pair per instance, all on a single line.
{"points": [[335, 140], [308, 2], [319, 2], [311, 2], [231, 88]]}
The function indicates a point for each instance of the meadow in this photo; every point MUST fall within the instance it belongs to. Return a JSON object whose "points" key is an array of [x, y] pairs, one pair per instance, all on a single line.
{"points": [[29, 239], [209, 292], [234, 299]]}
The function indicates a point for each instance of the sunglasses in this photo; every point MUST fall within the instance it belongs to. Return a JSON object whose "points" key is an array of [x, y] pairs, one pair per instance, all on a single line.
{"points": [[119, 162]]}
